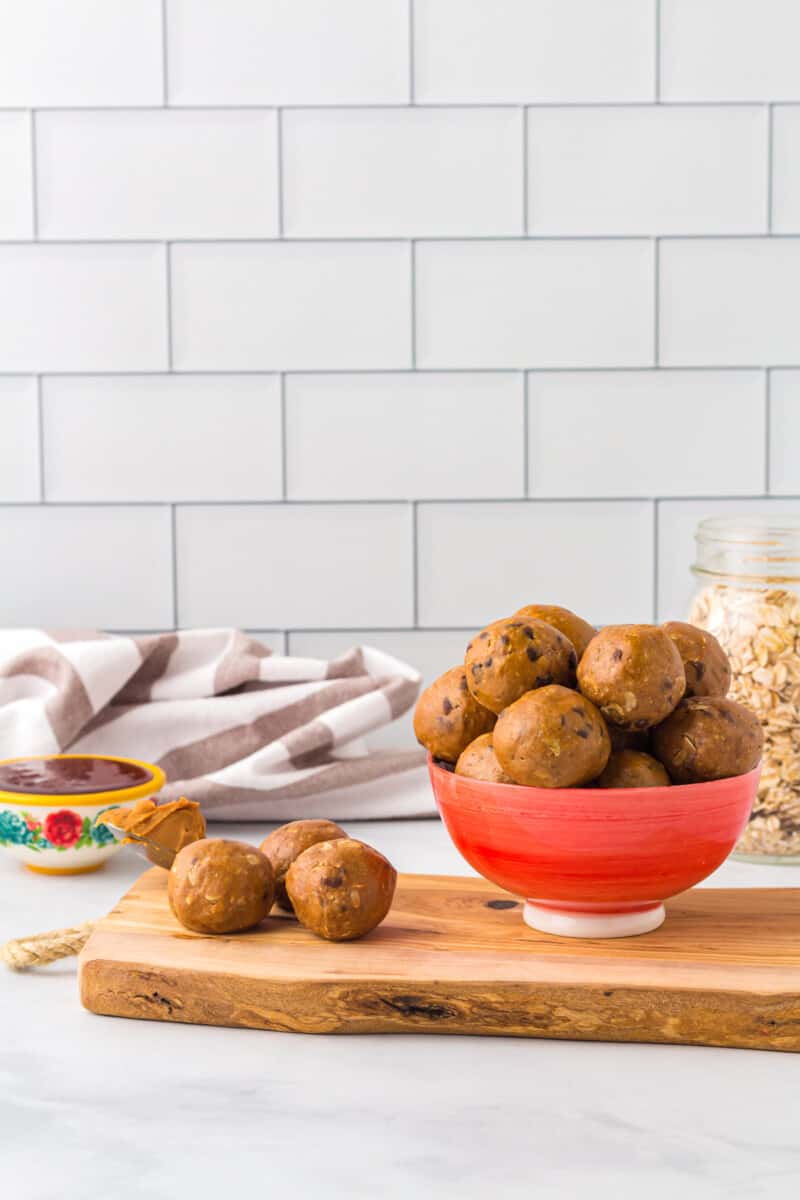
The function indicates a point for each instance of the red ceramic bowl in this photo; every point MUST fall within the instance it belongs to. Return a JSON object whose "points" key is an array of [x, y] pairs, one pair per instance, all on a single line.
{"points": [[594, 862]]}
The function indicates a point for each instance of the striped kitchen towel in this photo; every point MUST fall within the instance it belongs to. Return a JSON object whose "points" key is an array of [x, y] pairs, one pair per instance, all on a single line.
{"points": [[249, 734]]}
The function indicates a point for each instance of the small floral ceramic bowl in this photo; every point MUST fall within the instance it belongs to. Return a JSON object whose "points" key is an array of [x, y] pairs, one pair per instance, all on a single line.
{"points": [[49, 805]]}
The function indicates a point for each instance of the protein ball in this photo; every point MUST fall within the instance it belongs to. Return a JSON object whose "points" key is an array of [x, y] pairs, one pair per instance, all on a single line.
{"points": [[633, 673], [220, 886], [448, 717], [579, 632], [514, 656], [479, 761], [341, 890], [705, 663], [632, 769], [285, 844], [708, 737], [552, 737]]}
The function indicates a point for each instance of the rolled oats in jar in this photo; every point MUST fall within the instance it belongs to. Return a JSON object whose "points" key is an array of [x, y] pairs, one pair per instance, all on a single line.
{"points": [[748, 573]]}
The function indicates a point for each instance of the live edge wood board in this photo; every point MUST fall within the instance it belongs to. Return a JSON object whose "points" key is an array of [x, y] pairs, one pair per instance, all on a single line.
{"points": [[454, 956]]}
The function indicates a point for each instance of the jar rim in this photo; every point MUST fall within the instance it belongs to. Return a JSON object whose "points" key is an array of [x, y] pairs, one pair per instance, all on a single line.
{"points": [[748, 527]]}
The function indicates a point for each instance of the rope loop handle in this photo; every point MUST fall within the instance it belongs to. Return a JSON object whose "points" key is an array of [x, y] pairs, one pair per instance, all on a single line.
{"points": [[41, 948]]}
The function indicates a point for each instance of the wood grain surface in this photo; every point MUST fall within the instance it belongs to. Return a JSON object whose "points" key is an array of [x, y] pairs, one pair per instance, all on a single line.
{"points": [[454, 956]]}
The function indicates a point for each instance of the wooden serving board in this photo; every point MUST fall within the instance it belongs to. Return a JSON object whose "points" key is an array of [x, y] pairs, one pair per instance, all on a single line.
{"points": [[454, 956]]}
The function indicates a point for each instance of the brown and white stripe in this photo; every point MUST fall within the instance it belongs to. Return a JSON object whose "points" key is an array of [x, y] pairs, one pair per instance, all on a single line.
{"points": [[249, 734]]}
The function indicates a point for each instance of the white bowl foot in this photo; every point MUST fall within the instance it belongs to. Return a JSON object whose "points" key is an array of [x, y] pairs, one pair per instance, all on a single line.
{"points": [[591, 925]]}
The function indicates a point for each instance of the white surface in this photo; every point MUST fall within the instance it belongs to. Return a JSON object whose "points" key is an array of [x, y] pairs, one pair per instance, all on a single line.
{"points": [[135, 1109], [529, 50], [730, 302], [641, 419], [402, 172], [306, 565], [162, 437], [288, 51], [385, 436], [267, 306], [647, 170], [16, 193], [784, 462], [157, 174], [80, 567], [479, 562], [82, 308], [19, 444], [786, 169], [730, 49], [592, 925], [82, 53], [535, 304]]}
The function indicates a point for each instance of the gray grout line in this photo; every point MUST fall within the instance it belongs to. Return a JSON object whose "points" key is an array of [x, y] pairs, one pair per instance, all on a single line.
{"points": [[34, 179], [767, 429], [526, 477], [413, 268], [656, 514], [168, 286], [279, 150], [403, 501], [656, 302], [164, 53], [525, 171], [188, 372], [401, 238], [770, 124], [40, 429], [657, 57], [411, 57], [174, 544], [284, 478], [415, 563], [375, 106]]}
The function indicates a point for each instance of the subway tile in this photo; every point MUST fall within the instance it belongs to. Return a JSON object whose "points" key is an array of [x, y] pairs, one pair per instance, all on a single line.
{"points": [[291, 306], [479, 562], [86, 567], [431, 651], [82, 307], [677, 522], [162, 437], [647, 170], [534, 50], [430, 171], [16, 173], [19, 443], [273, 52], [786, 169], [315, 566], [730, 50], [86, 52], [402, 436], [157, 174], [784, 451], [534, 304], [730, 302], [624, 433]]}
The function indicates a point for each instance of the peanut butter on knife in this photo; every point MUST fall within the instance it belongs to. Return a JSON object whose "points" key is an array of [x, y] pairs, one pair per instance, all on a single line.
{"points": [[172, 825]]}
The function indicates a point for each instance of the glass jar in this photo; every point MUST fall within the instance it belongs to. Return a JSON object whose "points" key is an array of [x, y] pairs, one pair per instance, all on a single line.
{"points": [[748, 573]]}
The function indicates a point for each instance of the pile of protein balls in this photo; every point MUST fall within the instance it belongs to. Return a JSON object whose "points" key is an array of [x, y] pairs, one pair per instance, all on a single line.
{"points": [[545, 700], [337, 887]]}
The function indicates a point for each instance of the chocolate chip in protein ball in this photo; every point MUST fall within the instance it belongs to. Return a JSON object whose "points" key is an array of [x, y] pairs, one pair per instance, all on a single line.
{"points": [[623, 670], [446, 731], [514, 659], [538, 749]]}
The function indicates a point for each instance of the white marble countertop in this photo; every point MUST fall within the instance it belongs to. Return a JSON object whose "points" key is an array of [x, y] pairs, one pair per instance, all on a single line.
{"points": [[95, 1108]]}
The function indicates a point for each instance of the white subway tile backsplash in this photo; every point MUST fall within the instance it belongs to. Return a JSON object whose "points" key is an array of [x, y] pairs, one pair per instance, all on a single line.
{"points": [[402, 172], [730, 49], [83, 53], [313, 566], [162, 437], [534, 304], [677, 522], [16, 176], [82, 307], [291, 306], [786, 169], [274, 52], [480, 561], [86, 567], [647, 170], [403, 436], [157, 174], [784, 446], [19, 439], [476, 51], [640, 419], [730, 302]]}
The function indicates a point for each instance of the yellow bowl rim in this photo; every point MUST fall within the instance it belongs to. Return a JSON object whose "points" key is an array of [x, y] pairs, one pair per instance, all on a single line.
{"points": [[115, 797]]}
